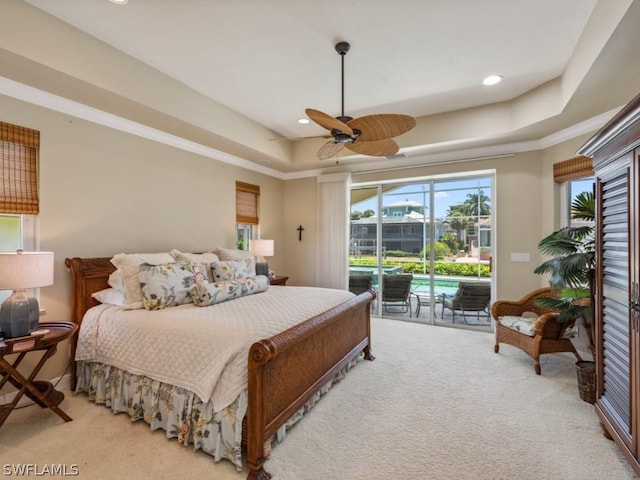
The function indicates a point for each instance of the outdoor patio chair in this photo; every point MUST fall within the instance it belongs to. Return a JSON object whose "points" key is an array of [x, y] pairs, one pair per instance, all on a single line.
{"points": [[470, 298], [533, 329], [360, 283], [396, 291]]}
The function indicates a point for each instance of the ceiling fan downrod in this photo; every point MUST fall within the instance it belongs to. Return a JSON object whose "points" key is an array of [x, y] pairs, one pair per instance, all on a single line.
{"points": [[342, 48]]}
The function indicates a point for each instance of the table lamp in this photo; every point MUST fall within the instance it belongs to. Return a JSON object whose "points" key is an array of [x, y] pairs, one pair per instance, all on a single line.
{"points": [[261, 249], [19, 314]]}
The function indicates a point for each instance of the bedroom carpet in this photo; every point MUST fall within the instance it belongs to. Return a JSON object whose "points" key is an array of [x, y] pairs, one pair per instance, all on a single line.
{"points": [[437, 403]]}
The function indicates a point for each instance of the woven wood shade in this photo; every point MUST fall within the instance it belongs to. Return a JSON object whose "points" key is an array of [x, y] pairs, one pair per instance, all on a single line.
{"points": [[576, 167], [19, 169], [247, 203]]}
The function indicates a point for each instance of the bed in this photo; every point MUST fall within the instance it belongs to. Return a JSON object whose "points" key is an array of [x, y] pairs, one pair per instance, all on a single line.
{"points": [[285, 371]]}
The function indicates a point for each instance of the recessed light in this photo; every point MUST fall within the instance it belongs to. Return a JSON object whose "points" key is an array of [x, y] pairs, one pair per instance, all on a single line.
{"points": [[119, 2], [492, 80], [303, 121]]}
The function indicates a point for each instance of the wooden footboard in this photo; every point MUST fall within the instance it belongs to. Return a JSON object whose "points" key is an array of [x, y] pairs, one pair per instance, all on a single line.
{"points": [[285, 371]]}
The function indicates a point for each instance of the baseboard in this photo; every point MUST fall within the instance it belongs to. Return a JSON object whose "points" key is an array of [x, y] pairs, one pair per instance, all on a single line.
{"points": [[63, 383]]}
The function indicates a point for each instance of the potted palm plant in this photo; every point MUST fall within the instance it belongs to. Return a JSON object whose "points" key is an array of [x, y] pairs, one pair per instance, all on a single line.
{"points": [[571, 275]]}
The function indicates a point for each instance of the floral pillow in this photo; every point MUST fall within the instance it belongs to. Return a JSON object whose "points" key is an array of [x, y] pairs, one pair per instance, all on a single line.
{"points": [[212, 293], [227, 254], [232, 269], [206, 258], [127, 278], [168, 285]]}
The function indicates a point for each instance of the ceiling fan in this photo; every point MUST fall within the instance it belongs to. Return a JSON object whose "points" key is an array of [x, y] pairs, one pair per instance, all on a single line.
{"points": [[369, 135]]}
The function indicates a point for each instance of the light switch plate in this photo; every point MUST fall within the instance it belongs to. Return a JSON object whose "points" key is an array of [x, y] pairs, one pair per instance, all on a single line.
{"points": [[520, 257]]}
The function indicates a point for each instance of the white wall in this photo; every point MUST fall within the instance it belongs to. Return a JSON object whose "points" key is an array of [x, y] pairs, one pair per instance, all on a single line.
{"points": [[103, 191]]}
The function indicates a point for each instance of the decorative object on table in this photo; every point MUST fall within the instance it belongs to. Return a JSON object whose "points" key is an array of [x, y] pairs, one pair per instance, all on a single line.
{"points": [[261, 249], [20, 270], [572, 273], [271, 275]]}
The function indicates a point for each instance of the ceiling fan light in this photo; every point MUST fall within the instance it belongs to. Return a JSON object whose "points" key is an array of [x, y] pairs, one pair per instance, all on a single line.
{"points": [[492, 80]]}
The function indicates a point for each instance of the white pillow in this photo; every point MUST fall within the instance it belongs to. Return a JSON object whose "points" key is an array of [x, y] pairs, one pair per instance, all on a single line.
{"points": [[110, 296], [128, 265], [115, 280], [238, 256], [206, 258]]}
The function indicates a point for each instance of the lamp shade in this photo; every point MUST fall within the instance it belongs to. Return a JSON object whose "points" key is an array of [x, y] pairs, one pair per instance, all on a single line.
{"points": [[20, 270], [261, 248]]}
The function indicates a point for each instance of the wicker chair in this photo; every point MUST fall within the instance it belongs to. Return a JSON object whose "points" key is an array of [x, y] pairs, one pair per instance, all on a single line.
{"points": [[396, 291], [549, 336]]}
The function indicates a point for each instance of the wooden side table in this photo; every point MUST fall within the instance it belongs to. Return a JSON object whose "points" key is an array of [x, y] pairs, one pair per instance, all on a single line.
{"points": [[46, 338], [279, 280]]}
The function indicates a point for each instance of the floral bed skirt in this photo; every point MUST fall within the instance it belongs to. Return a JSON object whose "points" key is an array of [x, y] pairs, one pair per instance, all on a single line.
{"points": [[179, 412]]}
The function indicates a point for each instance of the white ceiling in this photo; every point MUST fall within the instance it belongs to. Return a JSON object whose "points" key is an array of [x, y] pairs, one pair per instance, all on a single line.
{"points": [[269, 60]]}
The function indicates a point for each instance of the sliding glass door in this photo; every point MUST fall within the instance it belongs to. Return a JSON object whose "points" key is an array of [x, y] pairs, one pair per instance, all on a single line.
{"points": [[425, 247]]}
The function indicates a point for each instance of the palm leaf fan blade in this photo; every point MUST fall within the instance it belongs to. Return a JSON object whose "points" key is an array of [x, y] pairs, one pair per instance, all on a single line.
{"points": [[327, 121], [382, 126], [382, 148], [329, 149]]}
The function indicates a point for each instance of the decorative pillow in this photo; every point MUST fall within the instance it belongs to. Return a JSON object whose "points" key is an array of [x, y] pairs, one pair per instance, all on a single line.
{"points": [[128, 266], [238, 256], [212, 293], [168, 285], [525, 325], [110, 296], [232, 269], [206, 258]]}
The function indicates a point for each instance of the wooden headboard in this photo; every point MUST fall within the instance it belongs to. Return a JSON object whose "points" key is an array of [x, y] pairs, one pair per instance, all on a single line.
{"points": [[88, 275]]}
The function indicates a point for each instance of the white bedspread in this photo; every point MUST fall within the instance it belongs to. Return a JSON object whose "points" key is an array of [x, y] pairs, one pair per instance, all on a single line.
{"points": [[202, 349]]}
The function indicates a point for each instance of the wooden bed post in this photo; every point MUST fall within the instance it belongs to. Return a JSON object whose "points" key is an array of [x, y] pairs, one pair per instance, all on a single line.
{"points": [[257, 451]]}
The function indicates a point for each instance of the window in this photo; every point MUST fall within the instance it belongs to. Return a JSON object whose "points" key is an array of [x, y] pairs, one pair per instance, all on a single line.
{"points": [[18, 188], [575, 176], [247, 220]]}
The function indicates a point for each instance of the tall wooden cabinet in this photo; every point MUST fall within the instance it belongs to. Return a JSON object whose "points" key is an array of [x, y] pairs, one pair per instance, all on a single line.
{"points": [[615, 151]]}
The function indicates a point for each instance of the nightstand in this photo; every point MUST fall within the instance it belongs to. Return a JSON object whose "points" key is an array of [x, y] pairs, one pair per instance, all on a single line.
{"points": [[279, 280], [45, 339]]}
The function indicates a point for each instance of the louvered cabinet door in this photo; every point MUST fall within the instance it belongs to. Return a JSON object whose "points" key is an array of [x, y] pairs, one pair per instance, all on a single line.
{"points": [[615, 294]]}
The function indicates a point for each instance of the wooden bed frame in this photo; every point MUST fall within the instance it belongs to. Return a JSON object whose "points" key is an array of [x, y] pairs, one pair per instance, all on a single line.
{"points": [[285, 371]]}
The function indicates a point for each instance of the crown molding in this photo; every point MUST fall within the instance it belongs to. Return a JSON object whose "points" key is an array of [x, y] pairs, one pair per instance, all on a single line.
{"points": [[414, 159]]}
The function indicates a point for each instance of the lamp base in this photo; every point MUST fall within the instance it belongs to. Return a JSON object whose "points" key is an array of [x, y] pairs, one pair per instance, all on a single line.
{"points": [[262, 268], [19, 315]]}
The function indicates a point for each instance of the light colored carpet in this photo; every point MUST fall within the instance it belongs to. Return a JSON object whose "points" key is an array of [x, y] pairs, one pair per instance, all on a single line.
{"points": [[437, 403]]}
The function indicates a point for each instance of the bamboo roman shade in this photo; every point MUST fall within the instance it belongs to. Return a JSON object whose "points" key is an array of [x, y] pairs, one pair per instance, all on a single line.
{"points": [[576, 167], [247, 203], [19, 169]]}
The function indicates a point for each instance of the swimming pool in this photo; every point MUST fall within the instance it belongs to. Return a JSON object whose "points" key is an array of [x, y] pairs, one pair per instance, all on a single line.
{"points": [[420, 283]]}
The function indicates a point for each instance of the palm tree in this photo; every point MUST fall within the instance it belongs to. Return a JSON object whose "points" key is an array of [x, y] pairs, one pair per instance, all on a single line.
{"points": [[573, 267], [464, 214]]}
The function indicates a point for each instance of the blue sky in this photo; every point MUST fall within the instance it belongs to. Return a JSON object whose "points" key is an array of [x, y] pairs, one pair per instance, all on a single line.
{"points": [[447, 193]]}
